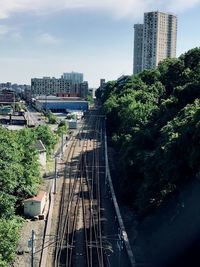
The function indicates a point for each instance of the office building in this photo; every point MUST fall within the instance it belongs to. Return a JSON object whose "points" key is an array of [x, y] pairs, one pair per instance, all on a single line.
{"points": [[158, 42]]}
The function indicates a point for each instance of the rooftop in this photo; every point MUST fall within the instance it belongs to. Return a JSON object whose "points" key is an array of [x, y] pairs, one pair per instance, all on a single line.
{"points": [[40, 146], [59, 99], [39, 197]]}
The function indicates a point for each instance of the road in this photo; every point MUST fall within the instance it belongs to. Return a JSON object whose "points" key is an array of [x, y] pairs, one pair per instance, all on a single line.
{"points": [[34, 117]]}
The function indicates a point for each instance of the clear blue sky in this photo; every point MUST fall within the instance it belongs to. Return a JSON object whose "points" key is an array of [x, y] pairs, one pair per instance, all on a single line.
{"points": [[48, 37]]}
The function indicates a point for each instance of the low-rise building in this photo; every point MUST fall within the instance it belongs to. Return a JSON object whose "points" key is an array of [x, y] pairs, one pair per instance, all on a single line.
{"points": [[34, 206], [72, 124], [60, 104], [7, 97], [9, 119]]}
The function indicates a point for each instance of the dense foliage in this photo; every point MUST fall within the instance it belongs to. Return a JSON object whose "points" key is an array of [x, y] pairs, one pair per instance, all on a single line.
{"points": [[153, 120], [19, 178], [62, 127], [52, 118]]}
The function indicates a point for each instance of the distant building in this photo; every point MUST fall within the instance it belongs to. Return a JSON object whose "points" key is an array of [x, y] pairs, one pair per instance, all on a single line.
{"points": [[60, 104], [158, 42], [83, 89], [74, 77], [61, 86], [6, 85], [49, 86], [27, 94], [138, 45], [102, 83], [7, 96], [92, 92]]}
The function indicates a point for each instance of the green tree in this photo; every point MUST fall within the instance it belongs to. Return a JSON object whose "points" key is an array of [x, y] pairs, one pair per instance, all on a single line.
{"points": [[153, 122], [9, 234], [62, 128], [7, 205], [48, 138]]}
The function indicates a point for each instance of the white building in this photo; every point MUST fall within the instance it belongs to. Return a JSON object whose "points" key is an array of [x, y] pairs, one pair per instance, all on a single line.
{"points": [[159, 39], [34, 206]]}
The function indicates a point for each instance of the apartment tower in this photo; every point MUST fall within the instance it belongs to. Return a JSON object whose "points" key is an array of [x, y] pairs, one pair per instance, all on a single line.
{"points": [[159, 39], [138, 46], [75, 77]]}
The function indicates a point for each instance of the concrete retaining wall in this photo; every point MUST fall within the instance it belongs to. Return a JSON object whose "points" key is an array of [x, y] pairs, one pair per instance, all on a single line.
{"points": [[124, 235]]}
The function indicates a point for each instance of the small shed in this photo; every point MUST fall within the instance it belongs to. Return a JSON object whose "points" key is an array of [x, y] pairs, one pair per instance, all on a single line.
{"points": [[72, 124], [34, 206], [42, 152]]}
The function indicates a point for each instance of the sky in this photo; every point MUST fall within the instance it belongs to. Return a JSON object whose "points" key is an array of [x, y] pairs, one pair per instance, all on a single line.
{"points": [[47, 37]]}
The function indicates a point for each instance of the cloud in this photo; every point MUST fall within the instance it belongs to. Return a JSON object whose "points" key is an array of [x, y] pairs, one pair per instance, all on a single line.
{"points": [[117, 7], [47, 38]]}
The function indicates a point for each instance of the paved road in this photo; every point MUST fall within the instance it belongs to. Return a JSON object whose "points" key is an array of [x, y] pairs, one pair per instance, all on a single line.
{"points": [[34, 117]]}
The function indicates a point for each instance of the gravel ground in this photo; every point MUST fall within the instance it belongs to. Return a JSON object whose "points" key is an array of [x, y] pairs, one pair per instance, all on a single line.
{"points": [[23, 258], [23, 252]]}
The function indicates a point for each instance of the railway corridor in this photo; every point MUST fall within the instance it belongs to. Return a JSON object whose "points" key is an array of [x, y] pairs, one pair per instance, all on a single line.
{"points": [[86, 234]]}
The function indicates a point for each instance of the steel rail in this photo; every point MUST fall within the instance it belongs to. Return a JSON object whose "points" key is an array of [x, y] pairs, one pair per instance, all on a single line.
{"points": [[73, 201], [64, 212]]}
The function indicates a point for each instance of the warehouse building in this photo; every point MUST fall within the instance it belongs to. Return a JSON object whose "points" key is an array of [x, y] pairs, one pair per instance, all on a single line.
{"points": [[60, 104]]}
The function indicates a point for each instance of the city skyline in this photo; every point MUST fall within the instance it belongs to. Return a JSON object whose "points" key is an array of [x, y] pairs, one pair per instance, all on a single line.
{"points": [[46, 38]]}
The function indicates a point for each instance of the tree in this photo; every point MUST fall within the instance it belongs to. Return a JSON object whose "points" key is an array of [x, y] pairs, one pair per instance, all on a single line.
{"points": [[9, 234], [62, 128], [150, 77], [153, 121], [48, 138], [7, 205]]}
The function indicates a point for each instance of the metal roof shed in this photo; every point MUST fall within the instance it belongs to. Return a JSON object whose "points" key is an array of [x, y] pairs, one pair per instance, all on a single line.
{"points": [[34, 206], [42, 152]]}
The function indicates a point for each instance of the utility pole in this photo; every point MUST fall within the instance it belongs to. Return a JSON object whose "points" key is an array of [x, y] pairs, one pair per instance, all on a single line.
{"points": [[62, 143], [55, 174], [32, 248]]}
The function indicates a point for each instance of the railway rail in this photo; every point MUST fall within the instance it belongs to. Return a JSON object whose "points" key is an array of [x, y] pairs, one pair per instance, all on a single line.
{"points": [[79, 232]]}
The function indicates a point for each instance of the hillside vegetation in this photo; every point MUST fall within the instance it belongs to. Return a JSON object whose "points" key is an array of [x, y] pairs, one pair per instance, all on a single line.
{"points": [[153, 121], [19, 178]]}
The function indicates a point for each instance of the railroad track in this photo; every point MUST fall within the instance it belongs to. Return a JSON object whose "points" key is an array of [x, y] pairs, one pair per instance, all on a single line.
{"points": [[80, 224]]}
